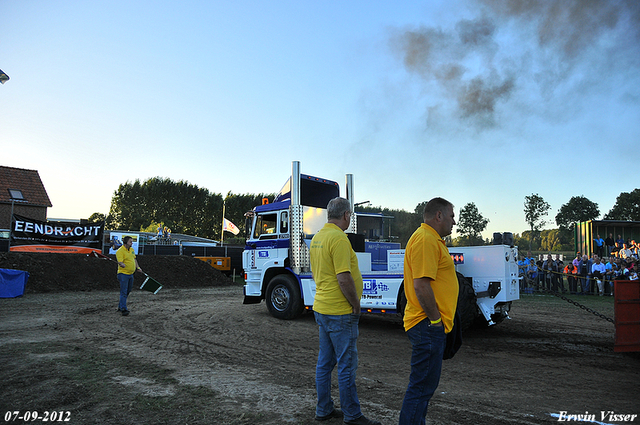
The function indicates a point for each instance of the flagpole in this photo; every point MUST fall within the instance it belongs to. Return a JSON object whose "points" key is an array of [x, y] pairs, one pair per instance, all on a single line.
{"points": [[224, 206]]}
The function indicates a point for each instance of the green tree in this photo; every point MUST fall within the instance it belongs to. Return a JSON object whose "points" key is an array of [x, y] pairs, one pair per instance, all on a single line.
{"points": [[96, 216], [566, 239], [550, 240], [627, 207], [535, 208], [470, 225], [578, 209], [403, 224], [419, 209], [181, 206]]}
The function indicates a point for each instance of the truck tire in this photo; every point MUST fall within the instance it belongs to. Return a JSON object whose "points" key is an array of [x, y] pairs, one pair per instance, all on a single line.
{"points": [[283, 298], [467, 307]]}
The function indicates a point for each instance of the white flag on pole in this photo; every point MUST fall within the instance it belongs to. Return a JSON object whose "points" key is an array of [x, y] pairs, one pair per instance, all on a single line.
{"points": [[229, 227]]}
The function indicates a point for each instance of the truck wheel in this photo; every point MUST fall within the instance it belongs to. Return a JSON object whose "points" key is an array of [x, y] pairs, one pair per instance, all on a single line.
{"points": [[283, 298], [467, 307]]}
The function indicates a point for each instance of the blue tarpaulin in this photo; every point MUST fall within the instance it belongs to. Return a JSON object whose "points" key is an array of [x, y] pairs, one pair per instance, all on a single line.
{"points": [[12, 283]]}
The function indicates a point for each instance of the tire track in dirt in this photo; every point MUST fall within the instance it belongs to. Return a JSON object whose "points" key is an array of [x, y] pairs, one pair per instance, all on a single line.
{"points": [[202, 350]]}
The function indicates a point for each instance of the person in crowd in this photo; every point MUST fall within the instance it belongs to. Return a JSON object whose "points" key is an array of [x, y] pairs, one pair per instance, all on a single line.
{"points": [[550, 268], [431, 289], [599, 243], [527, 262], [633, 270], [616, 250], [635, 249], [608, 277], [576, 261], [528, 258], [522, 271], [617, 270], [584, 267], [532, 272], [609, 244], [159, 235], [629, 270], [336, 307], [572, 281], [598, 271], [625, 252], [559, 276], [522, 265], [576, 264], [127, 266], [540, 279]]}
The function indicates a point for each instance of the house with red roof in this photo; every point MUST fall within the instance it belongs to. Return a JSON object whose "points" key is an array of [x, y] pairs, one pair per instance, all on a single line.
{"points": [[23, 191]]}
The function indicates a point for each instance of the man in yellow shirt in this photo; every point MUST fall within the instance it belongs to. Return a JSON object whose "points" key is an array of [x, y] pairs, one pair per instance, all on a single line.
{"points": [[127, 266], [337, 310], [431, 288]]}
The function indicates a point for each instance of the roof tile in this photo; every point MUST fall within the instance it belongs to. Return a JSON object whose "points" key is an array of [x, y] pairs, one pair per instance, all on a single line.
{"points": [[27, 181]]}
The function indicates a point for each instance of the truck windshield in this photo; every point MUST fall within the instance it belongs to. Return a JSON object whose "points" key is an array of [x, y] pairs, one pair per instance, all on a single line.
{"points": [[266, 226]]}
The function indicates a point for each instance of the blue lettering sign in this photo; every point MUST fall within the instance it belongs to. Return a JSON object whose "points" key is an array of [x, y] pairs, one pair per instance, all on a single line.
{"points": [[369, 286]]}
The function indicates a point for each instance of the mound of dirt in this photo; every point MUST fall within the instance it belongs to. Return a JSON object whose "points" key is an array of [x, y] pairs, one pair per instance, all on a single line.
{"points": [[77, 272]]}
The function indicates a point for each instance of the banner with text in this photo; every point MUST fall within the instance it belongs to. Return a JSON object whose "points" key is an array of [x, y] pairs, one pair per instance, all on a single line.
{"points": [[29, 235], [117, 239]]}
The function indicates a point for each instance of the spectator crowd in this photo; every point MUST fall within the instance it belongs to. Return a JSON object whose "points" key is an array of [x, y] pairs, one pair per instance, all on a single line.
{"points": [[585, 275]]}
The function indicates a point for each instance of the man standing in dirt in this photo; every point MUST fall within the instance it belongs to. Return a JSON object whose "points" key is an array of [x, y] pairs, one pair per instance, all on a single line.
{"points": [[431, 288], [127, 266], [337, 311]]}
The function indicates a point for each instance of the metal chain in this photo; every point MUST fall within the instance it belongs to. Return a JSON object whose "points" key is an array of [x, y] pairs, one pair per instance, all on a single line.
{"points": [[584, 307], [577, 304]]}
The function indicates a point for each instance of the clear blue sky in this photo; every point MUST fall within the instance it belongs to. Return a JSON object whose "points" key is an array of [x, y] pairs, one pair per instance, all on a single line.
{"points": [[475, 101]]}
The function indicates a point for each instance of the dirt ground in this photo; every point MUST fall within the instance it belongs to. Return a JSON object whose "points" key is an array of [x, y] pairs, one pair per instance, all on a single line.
{"points": [[194, 354]]}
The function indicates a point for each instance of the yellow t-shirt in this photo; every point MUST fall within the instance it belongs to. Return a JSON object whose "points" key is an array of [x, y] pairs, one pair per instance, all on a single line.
{"points": [[128, 257], [426, 255], [331, 254]]}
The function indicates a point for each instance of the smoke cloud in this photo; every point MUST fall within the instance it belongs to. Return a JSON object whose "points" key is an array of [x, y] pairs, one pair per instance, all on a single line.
{"points": [[478, 66]]}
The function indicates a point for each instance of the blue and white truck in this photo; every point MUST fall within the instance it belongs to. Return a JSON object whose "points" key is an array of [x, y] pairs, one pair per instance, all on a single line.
{"points": [[277, 267]]}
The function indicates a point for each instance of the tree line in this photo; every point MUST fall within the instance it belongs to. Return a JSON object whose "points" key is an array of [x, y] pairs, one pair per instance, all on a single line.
{"points": [[188, 209], [181, 206], [578, 209]]}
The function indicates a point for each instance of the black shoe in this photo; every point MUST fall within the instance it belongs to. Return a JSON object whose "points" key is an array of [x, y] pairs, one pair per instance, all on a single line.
{"points": [[125, 312], [362, 421], [336, 413]]}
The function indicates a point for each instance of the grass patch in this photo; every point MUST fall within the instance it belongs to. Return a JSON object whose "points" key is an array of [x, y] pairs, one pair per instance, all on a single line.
{"points": [[603, 305]]}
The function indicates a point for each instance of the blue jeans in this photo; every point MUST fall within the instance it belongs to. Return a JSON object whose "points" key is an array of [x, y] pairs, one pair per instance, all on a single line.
{"points": [[126, 284], [338, 338], [426, 364], [585, 285]]}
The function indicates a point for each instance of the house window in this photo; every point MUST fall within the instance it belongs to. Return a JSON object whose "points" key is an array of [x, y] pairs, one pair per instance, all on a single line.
{"points": [[16, 195]]}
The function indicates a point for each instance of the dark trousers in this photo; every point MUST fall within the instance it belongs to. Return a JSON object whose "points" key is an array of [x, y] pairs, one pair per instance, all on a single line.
{"points": [[573, 284]]}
